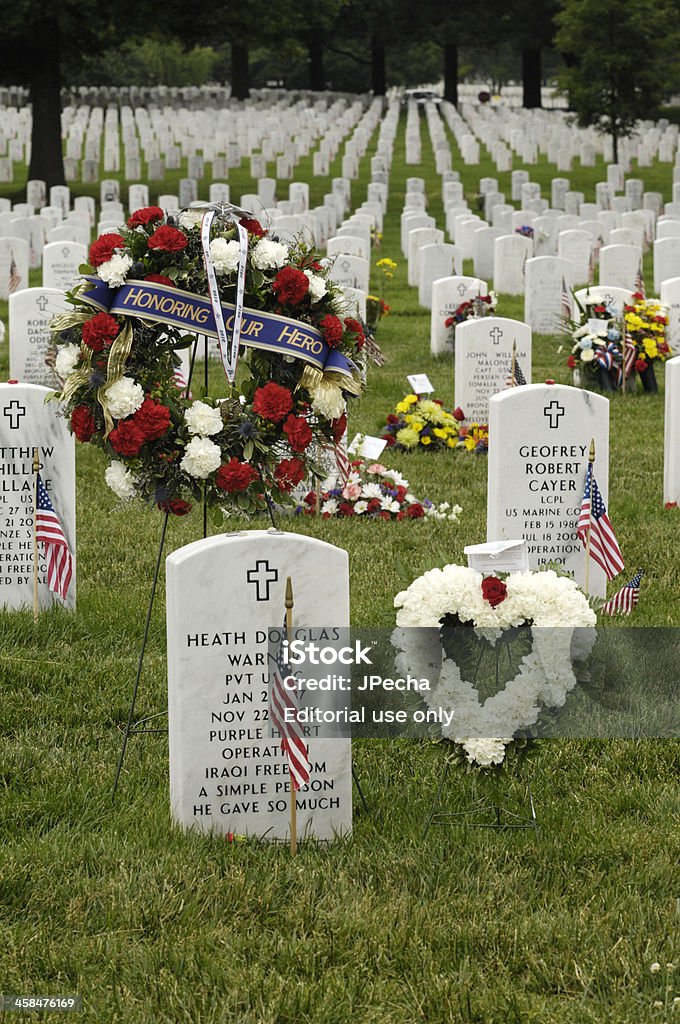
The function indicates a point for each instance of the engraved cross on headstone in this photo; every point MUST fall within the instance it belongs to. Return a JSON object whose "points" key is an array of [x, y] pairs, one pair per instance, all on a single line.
{"points": [[553, 412], [462, 288], [496, 334], [262, 575], [41, 303], [14, 411]]}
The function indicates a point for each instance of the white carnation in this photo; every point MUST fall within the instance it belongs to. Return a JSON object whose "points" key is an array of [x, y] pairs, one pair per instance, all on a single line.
{"points": [[269, 255], [124, 397], [120, 480], [329, 507], [224, 255], [188, 219], [328, 401], [203, 419], [201, 458], [67, 358], [360, 507], [115, 270], [317, 286], [485, 751]]}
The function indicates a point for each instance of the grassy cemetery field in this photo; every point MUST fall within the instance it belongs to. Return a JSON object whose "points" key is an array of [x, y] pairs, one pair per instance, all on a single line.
{"points": [[154, 925]]}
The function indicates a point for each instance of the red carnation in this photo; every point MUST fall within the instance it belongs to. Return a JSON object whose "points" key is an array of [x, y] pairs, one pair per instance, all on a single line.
{"points": [[390, 439], [392, 419], [289, 473], [167, 239], [355, 328], [346, 508], [384, 515], [641, 365], [373, 505], [572, 362], [415, 511], [298, 432], [100, 331], [449, 322], [339, 427], [235, 476], [103, 248], [638, 296], [272, 402], [176, 506], [290, 286], [160, 279], [82, 423], [253, 226], [126, 438], [331, 327], [493, 590], [458, 414], [152, 418], [147, 215]]}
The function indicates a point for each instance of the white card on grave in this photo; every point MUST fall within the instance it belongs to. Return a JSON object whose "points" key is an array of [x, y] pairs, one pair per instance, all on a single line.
{"points": [[31, 349], [366, 446], [420, 383], [27, 422], [539, 439], [498, 556], [227, 774]]}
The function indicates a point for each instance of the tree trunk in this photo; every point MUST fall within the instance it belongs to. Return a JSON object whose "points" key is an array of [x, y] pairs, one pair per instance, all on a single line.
{"points": [[317, 79], [451, 73], [240, 71], [531, 78], [615, 147], [47, 163], [378, 83]]}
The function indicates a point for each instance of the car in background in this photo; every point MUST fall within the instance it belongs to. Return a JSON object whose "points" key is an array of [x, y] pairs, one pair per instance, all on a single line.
{"points": [[422, 96]]}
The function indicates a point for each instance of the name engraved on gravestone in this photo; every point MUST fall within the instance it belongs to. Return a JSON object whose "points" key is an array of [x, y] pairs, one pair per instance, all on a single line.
{"points": [[539, 439], [26, 422], [483, 362], [227, 771], [31, 349]]}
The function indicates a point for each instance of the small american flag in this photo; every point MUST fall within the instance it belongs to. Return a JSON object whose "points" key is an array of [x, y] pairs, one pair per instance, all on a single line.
{"points": [[640, 281], [342, 460], [566, 301], [48, 531], [292, 740], [625, 599], [604, 547], [14, 276]]}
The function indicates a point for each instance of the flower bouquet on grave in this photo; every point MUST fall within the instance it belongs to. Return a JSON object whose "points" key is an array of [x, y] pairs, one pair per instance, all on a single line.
{"points": [[290, 367], [646, 329], [526, 231], [596, 356], [376, 309], [449, 618], [471, 309], [421, 423], [374, 492]]}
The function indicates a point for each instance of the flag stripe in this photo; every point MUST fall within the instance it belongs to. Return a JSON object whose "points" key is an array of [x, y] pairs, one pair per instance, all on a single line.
{"points": [[293, 743], [604, 548], [49, 533]]}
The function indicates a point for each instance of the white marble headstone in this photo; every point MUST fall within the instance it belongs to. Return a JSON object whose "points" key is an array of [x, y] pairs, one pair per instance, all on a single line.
{"points": [[510, 255], [671, 462], [26, 421], [539, 439], [483, 355], [30, 339], [227, 774], [447, 295], [619, 265], [548, 279], [61, 261]]}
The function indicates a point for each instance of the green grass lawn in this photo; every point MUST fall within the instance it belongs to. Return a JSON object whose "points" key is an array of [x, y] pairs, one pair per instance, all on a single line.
{"points": [[154, 926]]}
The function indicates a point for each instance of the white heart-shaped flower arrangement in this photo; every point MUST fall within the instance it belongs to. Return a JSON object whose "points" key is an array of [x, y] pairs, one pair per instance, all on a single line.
{"points": [[561, 622]]}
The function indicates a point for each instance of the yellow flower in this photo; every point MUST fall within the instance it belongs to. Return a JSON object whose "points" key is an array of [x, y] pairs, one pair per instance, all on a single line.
{"points": [[469, 443], [426, 440], [452, 442], [439, 432], [386, 264], [416, 424], [407, 437]]}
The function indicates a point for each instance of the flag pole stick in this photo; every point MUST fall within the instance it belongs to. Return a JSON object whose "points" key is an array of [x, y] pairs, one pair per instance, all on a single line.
{"points": [[514, 363], [591, 460], [293, 799], [36, 470]]}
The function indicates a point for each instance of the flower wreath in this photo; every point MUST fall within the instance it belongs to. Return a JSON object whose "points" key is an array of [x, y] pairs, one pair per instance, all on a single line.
{"points": [[144, 288], [462, 596]]}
